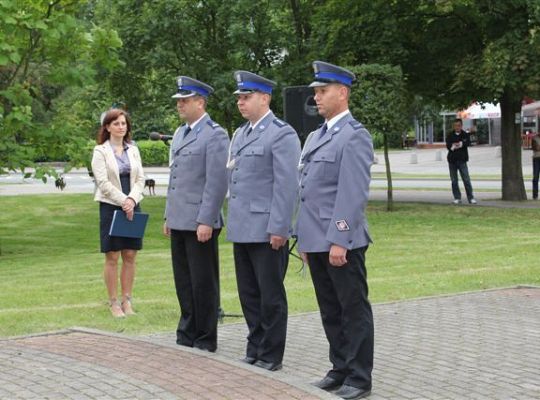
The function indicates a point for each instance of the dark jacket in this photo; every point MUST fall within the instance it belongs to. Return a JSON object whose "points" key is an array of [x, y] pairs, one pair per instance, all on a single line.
{"points": [[461, 154]]}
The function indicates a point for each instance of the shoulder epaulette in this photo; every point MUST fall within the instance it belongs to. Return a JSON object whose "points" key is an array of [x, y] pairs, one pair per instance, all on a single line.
{"points": [[213, 124], [355, 124], [279, 123]]}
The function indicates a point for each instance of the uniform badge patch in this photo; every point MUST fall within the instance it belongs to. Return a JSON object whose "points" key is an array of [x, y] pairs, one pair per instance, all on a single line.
{"points": [[342, 225]]}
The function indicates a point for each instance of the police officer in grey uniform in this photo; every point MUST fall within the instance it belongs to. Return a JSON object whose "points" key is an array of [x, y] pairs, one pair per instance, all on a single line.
{"points": [[193, 220], [332, 230], [263, 184]]}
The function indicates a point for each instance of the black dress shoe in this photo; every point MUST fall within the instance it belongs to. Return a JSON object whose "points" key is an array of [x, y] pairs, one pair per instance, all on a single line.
{"points": [[351, 392], [268, 365], [249, 360], [328, 383]]}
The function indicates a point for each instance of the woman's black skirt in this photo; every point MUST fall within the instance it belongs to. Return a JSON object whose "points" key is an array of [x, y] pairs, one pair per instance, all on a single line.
{"points": [[106, 212]]}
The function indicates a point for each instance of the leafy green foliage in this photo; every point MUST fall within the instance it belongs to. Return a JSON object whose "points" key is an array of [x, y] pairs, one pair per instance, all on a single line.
{"points": [[378, 100], [153, 153], [47, 49]]}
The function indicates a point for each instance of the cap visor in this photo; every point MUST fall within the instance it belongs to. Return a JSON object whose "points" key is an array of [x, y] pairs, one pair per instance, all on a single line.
{"points": [[183, 96], [239, 91], [318, 84]]}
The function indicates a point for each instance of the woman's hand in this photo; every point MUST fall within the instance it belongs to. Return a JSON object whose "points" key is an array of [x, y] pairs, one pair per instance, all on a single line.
{"points": [[128, 205], [129, 215]]}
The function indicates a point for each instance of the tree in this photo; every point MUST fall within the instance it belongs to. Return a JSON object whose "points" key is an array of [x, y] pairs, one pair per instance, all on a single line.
{"points": [[451, 51], [503, 66], [45, 48], [379, 101], [207, 40]]}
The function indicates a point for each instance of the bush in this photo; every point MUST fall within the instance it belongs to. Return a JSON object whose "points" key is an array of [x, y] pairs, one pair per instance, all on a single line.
{"points": [[377, 140], [153, 153]]}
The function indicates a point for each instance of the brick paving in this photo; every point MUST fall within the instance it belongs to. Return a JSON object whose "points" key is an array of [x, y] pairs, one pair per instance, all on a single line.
{"points": [[482, 345]]}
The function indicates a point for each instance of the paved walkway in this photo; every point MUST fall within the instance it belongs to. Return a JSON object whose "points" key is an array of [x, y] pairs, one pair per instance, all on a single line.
{"points": [[482, 345]]}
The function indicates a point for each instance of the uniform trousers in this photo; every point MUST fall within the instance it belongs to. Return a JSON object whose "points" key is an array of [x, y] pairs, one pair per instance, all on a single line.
{"points": [[260, 272], [342, 294], [196, 278]]}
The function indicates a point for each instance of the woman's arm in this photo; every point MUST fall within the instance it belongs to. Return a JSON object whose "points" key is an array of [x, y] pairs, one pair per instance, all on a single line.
{"points": [[101, 176]]}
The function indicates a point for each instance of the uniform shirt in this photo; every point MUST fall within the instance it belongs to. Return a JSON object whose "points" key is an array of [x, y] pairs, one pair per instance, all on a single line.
{"points": [[334, 187], [194, 125], [263, 181], [335, 119], [198, 176]]}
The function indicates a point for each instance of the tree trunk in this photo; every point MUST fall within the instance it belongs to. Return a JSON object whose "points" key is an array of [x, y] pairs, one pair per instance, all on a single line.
{"points": [[513, 188], [389, 198]]}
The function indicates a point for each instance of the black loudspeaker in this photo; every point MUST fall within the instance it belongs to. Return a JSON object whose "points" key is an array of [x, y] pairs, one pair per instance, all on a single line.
{"points": [[300, 110]]}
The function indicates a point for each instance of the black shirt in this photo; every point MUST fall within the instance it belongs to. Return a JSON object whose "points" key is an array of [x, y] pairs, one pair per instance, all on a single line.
{"points": [[461, 154]]}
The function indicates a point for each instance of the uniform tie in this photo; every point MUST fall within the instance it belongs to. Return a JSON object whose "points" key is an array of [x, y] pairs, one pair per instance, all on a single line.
{"points": [[186, 132], [249, 131], [323, 130]]}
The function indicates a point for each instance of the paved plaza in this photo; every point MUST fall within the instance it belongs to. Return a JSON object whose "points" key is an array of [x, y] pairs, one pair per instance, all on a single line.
{"points": [[481, 345]]}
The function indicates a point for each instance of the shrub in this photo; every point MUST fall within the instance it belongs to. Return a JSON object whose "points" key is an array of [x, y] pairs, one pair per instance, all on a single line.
{"points": [[153, 153]]}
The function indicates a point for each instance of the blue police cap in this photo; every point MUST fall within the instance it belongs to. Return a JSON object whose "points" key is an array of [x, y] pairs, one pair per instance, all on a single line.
{"points": [[326, 73], [188, 87], [248, 82]]}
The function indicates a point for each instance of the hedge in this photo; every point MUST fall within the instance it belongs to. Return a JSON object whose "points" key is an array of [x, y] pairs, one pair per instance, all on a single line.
{"points": [[153, 153]]}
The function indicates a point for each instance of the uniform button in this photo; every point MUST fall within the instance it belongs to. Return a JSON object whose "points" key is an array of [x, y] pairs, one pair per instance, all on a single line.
{"points": [[302, 186], [302, 199], [350, 241], [305, 173], [174, 177], [233, 181], [175, 165], [234, 197], [172, 188], [307, 160], [236, 169]]}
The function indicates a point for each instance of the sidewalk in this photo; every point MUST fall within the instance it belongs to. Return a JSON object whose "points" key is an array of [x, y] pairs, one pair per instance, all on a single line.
{"points": [[481, 345]]}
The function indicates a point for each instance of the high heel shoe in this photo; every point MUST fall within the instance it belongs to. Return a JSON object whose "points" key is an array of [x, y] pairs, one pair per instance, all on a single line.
{"points": [[126, 306], [116, 309]]}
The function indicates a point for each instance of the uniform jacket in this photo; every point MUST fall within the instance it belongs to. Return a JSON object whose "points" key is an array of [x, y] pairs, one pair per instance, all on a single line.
{"points": [[461, 154], [334, 188], [263, 181], [198, 176], [107, 176]]}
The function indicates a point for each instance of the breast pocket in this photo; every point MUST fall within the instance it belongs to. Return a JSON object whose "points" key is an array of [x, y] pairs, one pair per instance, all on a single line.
{"points": [[190, 156], [325, 164], [254, 157]]}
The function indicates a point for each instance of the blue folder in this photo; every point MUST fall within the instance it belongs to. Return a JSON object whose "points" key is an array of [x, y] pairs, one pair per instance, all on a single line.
{"points": [[121, 226]]}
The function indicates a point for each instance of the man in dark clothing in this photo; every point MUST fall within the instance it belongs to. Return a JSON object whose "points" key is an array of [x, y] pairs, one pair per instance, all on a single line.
{"points": [[457, 143], [536, 164]]}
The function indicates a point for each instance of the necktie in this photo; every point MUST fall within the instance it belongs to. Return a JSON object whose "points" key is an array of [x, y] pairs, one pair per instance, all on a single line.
{"points": [[323, 130], [249, 131], [186, 132]]}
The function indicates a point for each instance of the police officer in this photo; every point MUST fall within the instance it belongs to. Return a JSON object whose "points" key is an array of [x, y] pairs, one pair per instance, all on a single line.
{"points": [[263, 186], [332, 230], [197, 189]]}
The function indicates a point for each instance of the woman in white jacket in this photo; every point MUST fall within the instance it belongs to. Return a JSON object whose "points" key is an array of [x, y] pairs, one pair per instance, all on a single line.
{"points": [[119, 176]]}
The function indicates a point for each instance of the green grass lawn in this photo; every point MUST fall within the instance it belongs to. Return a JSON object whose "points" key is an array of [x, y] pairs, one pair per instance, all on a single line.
{"points": [[51, 268]]}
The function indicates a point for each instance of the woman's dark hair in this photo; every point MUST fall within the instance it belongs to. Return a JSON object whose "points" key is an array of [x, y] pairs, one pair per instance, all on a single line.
{"points": [[111, 116]]}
